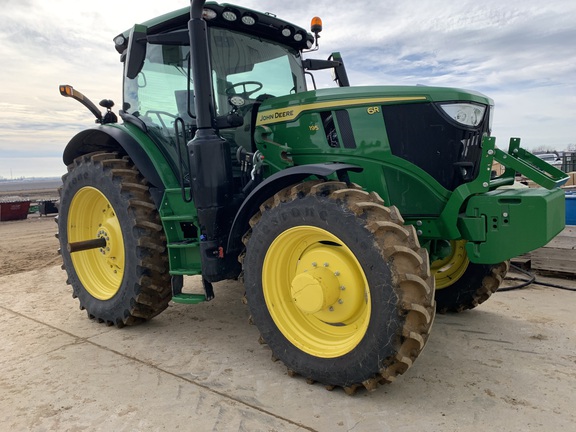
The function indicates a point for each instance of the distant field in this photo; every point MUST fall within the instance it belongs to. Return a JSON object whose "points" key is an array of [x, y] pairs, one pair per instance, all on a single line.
{"points": [[34, 189], [32, 184]]}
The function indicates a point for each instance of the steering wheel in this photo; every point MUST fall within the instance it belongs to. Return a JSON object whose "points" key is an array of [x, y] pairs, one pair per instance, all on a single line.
{"points": [[244, 84]]}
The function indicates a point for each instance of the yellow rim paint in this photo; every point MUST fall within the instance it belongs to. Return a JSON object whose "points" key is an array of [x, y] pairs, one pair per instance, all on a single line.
{"points": [[91, 216], [316, 291], [448, 270], [290, 113]]}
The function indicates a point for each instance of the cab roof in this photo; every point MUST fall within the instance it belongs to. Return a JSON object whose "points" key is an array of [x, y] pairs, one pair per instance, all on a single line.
{"points": [[259, 24]]}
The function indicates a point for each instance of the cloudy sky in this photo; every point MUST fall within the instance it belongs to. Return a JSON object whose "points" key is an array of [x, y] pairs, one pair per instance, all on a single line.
{"points": [[522, 53]]}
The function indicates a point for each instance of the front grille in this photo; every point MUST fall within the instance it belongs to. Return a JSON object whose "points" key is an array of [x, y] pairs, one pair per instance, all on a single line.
{"points": [[424, 136]]}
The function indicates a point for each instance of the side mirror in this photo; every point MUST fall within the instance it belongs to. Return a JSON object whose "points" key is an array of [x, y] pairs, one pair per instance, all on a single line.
{"points": [[136, 51]]}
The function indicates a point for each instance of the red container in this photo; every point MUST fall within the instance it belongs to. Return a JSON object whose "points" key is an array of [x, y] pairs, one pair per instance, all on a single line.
{"points": [[14, 210]]}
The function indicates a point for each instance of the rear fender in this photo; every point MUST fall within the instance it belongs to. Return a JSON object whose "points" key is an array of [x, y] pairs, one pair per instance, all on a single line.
{"points": [[109, 138]]}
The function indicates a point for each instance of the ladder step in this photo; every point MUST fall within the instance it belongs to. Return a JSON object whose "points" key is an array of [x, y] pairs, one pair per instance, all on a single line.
{"points": [[189, 298], [184, 245], [185, 272], [178, 218]]}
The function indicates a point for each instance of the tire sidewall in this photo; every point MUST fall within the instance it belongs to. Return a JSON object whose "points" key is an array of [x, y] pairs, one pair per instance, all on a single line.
{"points": [[385, 324], [93, 174]]}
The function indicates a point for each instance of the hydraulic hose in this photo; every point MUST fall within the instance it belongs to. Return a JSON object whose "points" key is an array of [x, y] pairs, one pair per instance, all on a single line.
{"points": [[531, 279]]}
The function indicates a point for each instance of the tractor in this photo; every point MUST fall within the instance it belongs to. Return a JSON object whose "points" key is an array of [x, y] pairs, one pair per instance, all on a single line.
{"points": [[350, 214]]}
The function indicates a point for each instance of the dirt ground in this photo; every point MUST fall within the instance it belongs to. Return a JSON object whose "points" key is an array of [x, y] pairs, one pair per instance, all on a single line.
{"points": [[28, 244], [508, 365]]}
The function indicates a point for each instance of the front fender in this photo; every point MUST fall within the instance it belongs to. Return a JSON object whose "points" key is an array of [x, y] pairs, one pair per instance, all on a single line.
{"points": [[273, 184]]}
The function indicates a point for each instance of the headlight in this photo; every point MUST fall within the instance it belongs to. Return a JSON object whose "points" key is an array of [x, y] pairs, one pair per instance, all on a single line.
{"points": [[465, 113], [208, 14]]}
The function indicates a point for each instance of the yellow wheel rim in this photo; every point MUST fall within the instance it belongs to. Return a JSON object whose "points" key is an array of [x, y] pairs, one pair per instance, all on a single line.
{"points": [[91, 216], [448, 270], [316, 291]]}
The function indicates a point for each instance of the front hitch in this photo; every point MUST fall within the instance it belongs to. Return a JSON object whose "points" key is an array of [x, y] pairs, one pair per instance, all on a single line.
{"points": [[519, 160]]}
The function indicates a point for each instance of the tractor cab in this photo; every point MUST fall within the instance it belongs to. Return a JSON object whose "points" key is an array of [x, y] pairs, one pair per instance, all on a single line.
{"points": [[254, 56]]}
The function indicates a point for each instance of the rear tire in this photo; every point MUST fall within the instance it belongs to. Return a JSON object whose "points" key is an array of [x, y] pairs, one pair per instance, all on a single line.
{"points": [[463, 285], [127, 281], [338, 287]]}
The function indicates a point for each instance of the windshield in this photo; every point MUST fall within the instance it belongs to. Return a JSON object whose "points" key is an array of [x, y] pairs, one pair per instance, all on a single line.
{"points": [[250, 67], [243, 66]]}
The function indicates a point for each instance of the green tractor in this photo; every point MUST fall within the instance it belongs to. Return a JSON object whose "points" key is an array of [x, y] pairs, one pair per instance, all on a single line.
{"points": [[351, 214]]}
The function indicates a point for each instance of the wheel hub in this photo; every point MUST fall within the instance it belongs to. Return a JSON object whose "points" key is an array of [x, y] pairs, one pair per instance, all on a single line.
{"points": [[103, 234], [313, 291]]}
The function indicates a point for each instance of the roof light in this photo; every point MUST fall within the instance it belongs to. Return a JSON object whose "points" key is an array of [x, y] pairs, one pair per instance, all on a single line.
{"points": [[467, 114], [229, 15], [298, 37], [120, 40], [209, 14], [316, 25], [287, 31], [249, 19]]}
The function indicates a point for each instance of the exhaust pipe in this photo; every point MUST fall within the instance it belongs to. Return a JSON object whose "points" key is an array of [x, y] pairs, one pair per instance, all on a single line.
{"points": [[210, 161]]}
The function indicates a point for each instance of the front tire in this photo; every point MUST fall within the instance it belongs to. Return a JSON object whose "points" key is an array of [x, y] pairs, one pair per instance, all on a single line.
{"points": [[340, 290], [463, 285], [125, 281]]}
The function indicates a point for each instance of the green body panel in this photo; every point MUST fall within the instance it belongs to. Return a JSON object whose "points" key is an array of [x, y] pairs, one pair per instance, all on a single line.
{"points": [[396, 180], [293, 125]]}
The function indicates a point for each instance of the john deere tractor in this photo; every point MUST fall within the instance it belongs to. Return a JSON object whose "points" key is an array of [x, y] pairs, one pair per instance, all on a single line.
{"points": [[351, 214]]}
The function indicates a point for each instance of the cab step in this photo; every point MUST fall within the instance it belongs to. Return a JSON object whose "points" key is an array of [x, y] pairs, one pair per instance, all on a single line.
{"points": [[189, 298], [184, 298]]}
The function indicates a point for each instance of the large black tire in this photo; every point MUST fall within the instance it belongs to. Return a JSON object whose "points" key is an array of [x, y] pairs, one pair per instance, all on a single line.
{"points": [[462, 285], [328, 237], [127, 281]]}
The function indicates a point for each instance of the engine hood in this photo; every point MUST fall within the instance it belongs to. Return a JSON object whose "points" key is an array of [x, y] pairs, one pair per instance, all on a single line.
{"points": [[288, 108]]}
